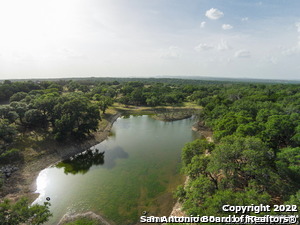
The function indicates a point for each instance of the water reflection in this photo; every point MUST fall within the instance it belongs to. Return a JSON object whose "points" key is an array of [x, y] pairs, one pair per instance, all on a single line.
{"points": [[81, 163], [139, 171], [112, 155]]}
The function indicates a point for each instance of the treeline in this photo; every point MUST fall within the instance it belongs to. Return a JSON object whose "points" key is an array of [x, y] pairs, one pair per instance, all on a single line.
{"points": [[65, 111], [255, 156], [70, 110]]}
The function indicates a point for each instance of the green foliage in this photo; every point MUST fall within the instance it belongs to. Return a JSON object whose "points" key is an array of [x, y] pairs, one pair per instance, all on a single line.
{"points": [[197, 191], [256, 155], [103, 101], [7, 132], [256, 130], [242, 159], [18, 96], [20, 213], [180, 193], [294, 200], [82, 162], [73, 86], [75, 116], [199, 146], [212, 206], [46, 103], [197, 166], [9, 156], [8, 89], [278, 130], [35, 118], [20, 108], [288, 162]]}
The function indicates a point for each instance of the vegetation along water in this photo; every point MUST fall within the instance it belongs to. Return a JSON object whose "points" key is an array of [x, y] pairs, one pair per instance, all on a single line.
{"points": [[253, 156], [139, 171]]}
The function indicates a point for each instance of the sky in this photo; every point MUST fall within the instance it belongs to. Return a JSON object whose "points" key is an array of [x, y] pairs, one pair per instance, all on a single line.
{"points": [[148, 38]]}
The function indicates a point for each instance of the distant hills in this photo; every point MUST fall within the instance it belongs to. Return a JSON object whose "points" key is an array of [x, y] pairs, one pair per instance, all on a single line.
{"points": [[169, 79]]}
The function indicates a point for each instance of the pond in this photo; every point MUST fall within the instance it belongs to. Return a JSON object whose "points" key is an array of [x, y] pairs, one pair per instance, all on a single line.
{"points": [[135, 170]]}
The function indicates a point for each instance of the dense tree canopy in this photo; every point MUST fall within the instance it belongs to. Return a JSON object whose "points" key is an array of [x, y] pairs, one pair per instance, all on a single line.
{"points": [[254, 157]]}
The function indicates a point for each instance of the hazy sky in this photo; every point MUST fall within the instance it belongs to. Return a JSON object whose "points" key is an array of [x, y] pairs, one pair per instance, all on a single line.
{"points": [[222, 38]]}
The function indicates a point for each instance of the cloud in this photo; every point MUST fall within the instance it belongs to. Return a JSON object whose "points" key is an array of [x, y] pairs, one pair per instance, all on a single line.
{"points": [[245, 19], [203, 47], [227, 27], [223, 46], [298, 26], [288, 51], [214, 14], [242, 54], [202, 24], [270, 60], [171, 53], [292, 50]]}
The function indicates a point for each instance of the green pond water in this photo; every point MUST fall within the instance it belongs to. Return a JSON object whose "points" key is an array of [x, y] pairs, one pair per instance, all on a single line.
{"points": [[138, 172]]}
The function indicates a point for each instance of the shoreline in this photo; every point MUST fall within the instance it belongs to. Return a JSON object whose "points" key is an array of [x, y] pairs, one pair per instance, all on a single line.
{"points": [[23, 181], [207, 134]]}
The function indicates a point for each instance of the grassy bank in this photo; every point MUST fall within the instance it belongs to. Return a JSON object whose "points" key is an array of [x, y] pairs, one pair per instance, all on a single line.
{"points": [[164, 113]]}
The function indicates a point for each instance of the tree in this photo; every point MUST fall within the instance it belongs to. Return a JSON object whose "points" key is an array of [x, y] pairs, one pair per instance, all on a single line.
{"points": [[6, 112], [20, 213], [18, 96], [137, 97], [198, 166], [20, 108], [46, 103], [279, 130], [103, 101], [242, 159], [294, 200], [197, 147], [288, 163], [35, 118], [7, 133], [152, 101], [75, 116], [212, 205]]}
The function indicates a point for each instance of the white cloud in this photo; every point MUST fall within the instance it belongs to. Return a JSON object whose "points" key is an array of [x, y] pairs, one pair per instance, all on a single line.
{"points": [[298, 26], [226, 27], [288, 51], [292, 50], [245, 19], [203, 47], [242, 54], [214, 14], [223, 46], [171, 53], [202, 24]]}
